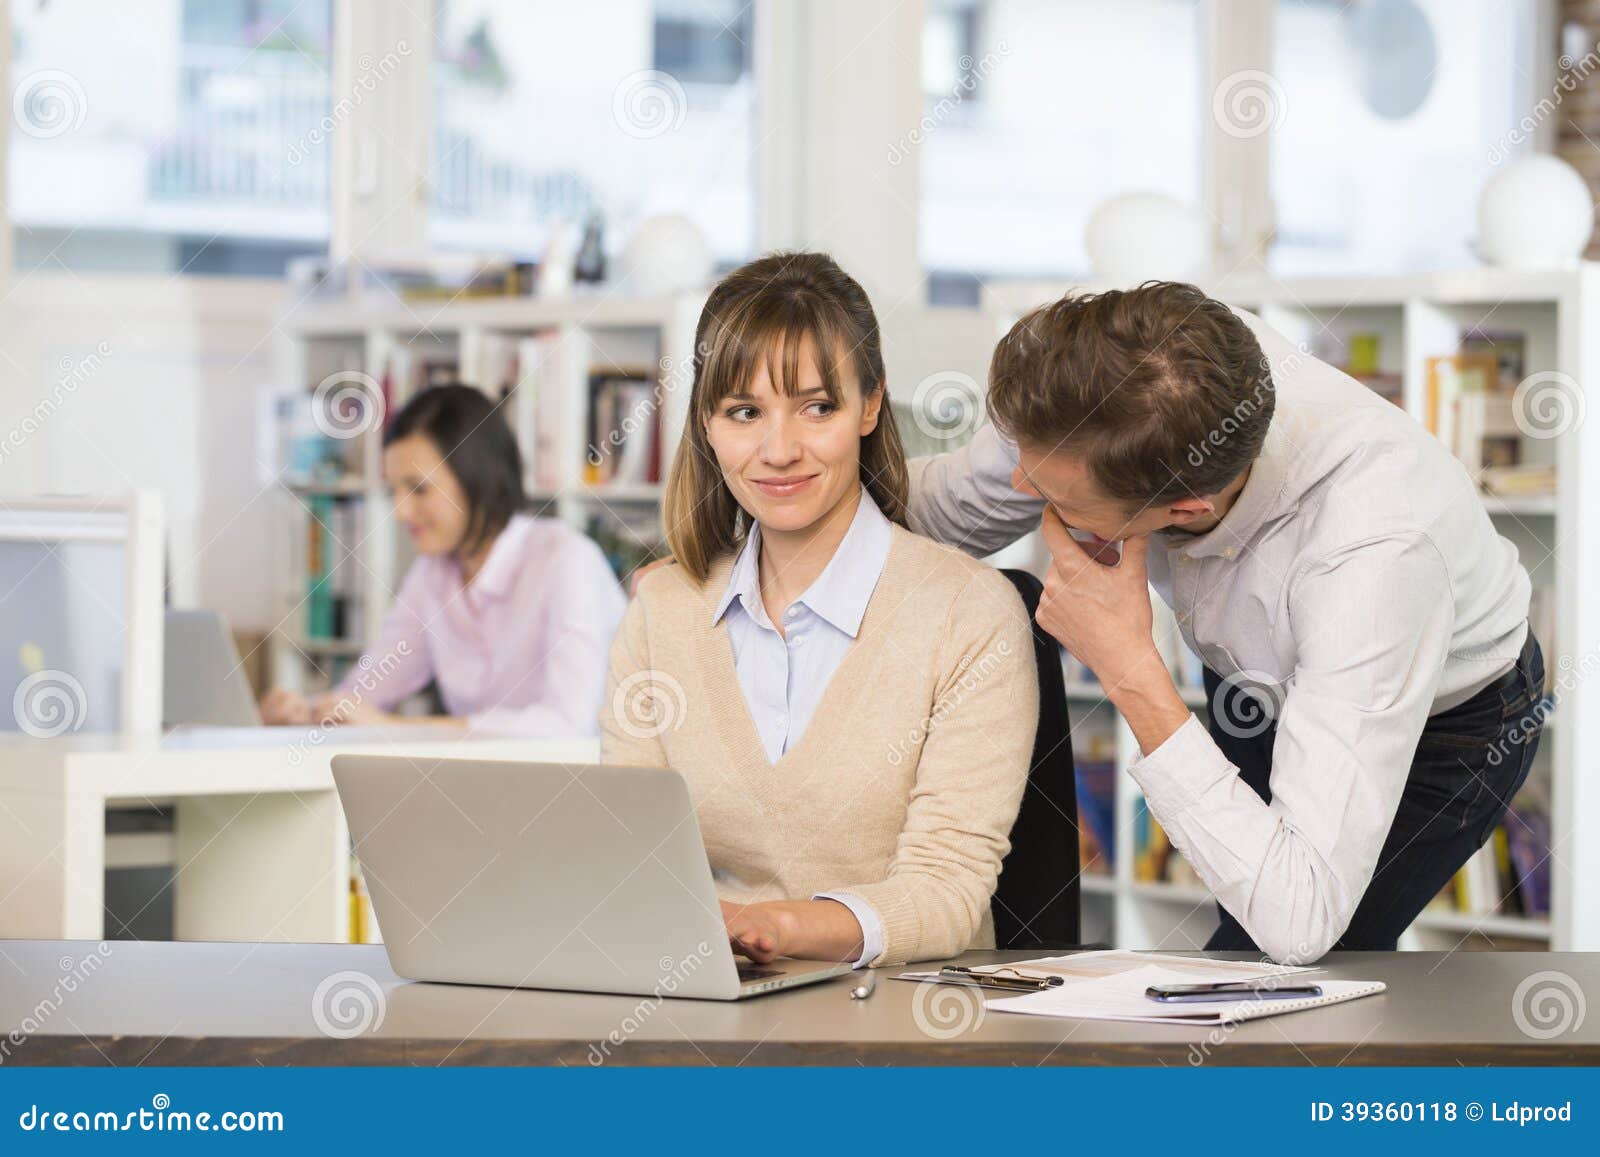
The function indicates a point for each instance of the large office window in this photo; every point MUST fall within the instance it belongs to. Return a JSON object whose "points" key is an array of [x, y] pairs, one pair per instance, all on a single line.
{"points": [[175, 137], [1390, 116], [560, 113], [1036, 111]]}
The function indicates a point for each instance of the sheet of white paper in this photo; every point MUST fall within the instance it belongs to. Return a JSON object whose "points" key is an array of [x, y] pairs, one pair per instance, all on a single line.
{"points": [[1121, 997]]}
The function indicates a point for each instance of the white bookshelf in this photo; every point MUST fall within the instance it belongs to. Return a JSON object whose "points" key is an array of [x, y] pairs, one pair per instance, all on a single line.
{"points": [[654, 336], [1558, 536]]}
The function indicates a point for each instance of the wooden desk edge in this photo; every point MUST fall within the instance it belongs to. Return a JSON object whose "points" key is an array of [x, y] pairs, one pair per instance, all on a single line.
{"points": [[379, 1051]]}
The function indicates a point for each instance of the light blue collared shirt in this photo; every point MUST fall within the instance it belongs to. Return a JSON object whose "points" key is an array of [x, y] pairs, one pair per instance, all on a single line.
{"points": [[784, 676]]}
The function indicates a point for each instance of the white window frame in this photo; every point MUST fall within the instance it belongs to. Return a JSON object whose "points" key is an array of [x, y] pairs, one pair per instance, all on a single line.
{"points": [[824, 127]]}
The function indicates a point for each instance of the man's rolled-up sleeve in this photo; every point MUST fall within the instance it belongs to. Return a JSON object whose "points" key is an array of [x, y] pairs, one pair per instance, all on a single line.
{"points": [[1372, 626]]}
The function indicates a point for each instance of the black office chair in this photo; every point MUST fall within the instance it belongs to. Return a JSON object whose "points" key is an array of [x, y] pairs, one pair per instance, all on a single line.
{"points": [[1036, 904]]}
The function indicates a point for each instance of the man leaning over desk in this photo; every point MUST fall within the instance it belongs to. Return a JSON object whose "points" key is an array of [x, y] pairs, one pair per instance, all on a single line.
{"points": [[1373, 685]]}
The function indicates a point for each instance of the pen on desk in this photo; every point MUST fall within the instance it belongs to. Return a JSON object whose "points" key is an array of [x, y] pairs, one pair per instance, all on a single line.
{"points": [[866, 988]]}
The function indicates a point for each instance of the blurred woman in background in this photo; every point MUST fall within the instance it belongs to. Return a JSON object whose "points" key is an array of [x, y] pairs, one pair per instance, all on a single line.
{"points": [[511, 616]]}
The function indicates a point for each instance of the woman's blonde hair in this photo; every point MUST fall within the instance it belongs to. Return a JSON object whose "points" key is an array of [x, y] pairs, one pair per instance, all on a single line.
{"points": [[766, 310]]}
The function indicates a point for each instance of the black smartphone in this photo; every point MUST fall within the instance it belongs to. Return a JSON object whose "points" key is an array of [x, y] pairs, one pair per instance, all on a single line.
{"points": [[1223, 989]]}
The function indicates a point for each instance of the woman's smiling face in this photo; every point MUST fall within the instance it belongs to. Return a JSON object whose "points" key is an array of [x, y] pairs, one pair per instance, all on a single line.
{"points": [[788, 452]]}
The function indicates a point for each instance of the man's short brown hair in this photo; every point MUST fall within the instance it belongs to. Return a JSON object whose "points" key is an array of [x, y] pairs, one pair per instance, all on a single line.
{"points": [[1163, 391]]}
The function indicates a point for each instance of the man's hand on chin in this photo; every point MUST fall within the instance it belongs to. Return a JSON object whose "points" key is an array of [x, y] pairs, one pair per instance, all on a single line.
{"points": [[1101, 614]]}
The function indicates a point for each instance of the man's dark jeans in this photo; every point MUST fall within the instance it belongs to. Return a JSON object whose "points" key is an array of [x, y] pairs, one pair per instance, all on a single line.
{"points": [[1469, 763]]}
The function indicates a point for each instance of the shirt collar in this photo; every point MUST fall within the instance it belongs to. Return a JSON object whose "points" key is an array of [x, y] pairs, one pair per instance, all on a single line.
{"points": [[494, 580], [841, 592], [1261, 500], [744, 581]]}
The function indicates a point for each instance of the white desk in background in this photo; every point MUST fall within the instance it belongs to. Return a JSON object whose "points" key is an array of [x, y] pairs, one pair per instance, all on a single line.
{"points": [[260, 848]]}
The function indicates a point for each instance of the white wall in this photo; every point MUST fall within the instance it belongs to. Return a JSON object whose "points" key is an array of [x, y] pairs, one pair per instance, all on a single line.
{"points": [[113, 382]]}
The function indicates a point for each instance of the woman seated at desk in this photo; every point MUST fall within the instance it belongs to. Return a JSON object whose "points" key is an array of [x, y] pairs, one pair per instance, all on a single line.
{"points": [[510, 615], [852, 705]]}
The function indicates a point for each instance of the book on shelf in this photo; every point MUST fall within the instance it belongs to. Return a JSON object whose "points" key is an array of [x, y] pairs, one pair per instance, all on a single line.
{"points": [[537, 407], [1155, 860], [440, 276], [1471, 409], [485, 277], [363, 920], [307, 456], [624, 431], [1449, 379], [331, 598], [1535, 479], [1508, 348], [1094, 754], [1510, 874], [1527, 830], [1485, 432]]}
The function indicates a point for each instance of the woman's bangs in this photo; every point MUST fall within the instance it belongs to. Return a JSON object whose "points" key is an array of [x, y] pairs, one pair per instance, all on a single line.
{"points": [[774, 338]]}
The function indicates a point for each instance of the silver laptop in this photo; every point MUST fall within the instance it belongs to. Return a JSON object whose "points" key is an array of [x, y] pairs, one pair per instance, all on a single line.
{"points": [[580, 877], [204, 683]]}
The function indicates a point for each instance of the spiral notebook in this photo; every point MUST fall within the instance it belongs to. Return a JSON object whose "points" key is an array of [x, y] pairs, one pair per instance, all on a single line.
{"points": [[1121, 996]]}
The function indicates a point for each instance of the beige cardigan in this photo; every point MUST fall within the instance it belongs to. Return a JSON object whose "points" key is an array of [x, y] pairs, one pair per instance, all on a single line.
{"points": [[906, 782]]}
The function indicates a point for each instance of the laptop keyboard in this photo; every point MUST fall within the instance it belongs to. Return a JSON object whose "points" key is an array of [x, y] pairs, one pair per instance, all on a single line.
{"points": [[754, 972]]}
